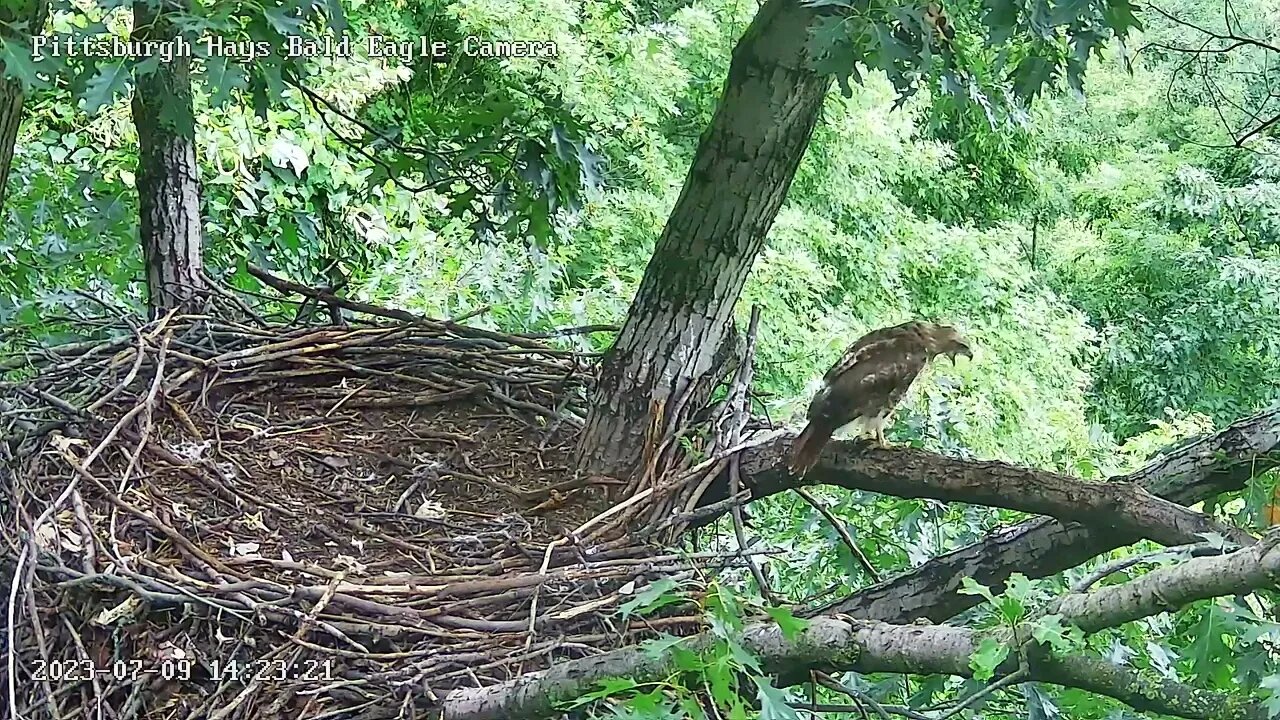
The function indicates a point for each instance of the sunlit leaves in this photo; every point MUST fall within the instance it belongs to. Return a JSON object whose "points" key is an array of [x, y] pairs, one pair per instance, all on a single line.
{"points": [[1005, 46]]}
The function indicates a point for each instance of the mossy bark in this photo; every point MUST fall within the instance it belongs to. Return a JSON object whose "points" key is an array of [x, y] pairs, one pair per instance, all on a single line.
{"points": [[669, 353], [168, 176]]}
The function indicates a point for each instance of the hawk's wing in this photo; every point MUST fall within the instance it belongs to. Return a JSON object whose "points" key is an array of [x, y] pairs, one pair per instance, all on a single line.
{"points": [[871, 377], [872, 344]]}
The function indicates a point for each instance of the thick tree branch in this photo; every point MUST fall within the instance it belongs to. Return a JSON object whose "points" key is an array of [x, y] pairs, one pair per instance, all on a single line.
{"points": [[1038, 548], [1115, 507], [1171, 587], [1141, 692], [866, 646], [841, 644]]}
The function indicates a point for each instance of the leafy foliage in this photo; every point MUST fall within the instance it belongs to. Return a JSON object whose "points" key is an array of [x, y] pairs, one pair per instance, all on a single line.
{"points": [[1114, 259], [980, 54]]}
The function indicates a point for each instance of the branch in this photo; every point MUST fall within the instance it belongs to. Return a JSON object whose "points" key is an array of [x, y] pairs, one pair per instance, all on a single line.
{"points": [[845, 645], [1227, 36], [1167, 588], [1231, 41], [1114, 507], [328, 298], [868, 646], [1038, 548]]}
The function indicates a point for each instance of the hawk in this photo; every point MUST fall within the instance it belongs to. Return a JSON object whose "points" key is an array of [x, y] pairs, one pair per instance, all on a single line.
{"points": [[869, 381]]}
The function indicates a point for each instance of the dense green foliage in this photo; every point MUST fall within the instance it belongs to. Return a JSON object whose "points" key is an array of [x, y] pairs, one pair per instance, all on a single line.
{"points": [[1121, 283]]}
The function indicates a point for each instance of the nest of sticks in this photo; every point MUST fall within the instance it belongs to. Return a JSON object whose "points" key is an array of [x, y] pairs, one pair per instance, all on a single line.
{"points": [[209, 518]]}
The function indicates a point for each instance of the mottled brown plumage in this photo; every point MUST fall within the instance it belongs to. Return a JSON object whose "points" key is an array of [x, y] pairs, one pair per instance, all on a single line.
{"points": [[868, 382]]}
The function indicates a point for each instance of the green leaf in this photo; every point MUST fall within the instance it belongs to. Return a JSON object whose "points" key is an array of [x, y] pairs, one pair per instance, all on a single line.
{"points": [[28, 314], [686, 660], [1118, 15], [655, 648], [1031, 75], [969, 586], [1062, 638], [146, 67], [691, 709], [773, 703], [889, 51], [222, 76], [742, 656], [832, 52], [721, 677], [281, 19], [19, 64], [1209, 651], [987, 658], [337, 17], [1069, 11], [1001, 19], [110, 80], [788, 623], [607, 687], [1272, 703], [1016, 597], [657, 595]]}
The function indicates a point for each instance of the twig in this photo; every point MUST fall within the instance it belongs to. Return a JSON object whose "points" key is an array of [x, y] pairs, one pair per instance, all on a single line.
{"points": [[843, 533]]}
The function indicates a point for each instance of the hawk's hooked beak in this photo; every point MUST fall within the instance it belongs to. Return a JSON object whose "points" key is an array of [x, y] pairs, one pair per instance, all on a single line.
{"points": [[962, 350]]}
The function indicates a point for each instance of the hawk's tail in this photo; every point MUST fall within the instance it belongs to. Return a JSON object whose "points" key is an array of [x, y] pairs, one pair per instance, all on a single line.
{"points": [[806, 447]]}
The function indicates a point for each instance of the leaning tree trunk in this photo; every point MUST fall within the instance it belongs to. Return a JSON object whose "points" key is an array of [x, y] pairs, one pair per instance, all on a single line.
{"points": [[665, 359], [168, 178], [27, 18]]}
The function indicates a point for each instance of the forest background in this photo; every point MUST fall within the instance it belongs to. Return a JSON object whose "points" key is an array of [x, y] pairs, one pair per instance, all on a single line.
{"points": [[1115, 255]]}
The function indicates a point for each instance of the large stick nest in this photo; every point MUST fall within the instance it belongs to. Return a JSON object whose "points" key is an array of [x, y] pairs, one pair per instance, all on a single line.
{"points": [[237, 521]]}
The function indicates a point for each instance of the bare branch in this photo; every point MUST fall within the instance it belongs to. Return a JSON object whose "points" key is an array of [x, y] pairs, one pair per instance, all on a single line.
{"points": [[1219, 44], [1038, 548], [1116, 506], [842, 644], [1172, 587]]}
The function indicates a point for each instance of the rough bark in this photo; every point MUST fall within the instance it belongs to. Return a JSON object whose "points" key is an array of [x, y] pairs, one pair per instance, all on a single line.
{"points": [[663, 363], [30, 16], [866, 646], [1115, 507], [1038, 548], [1195, 579], [167, 177]]}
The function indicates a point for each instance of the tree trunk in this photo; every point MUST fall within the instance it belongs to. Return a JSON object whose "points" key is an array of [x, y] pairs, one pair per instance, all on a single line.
{"points": [[168, 178], [31, 15], [665, 361]]}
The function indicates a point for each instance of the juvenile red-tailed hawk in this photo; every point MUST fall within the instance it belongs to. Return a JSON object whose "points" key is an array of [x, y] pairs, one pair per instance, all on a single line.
{"points": [[869, 381]]}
